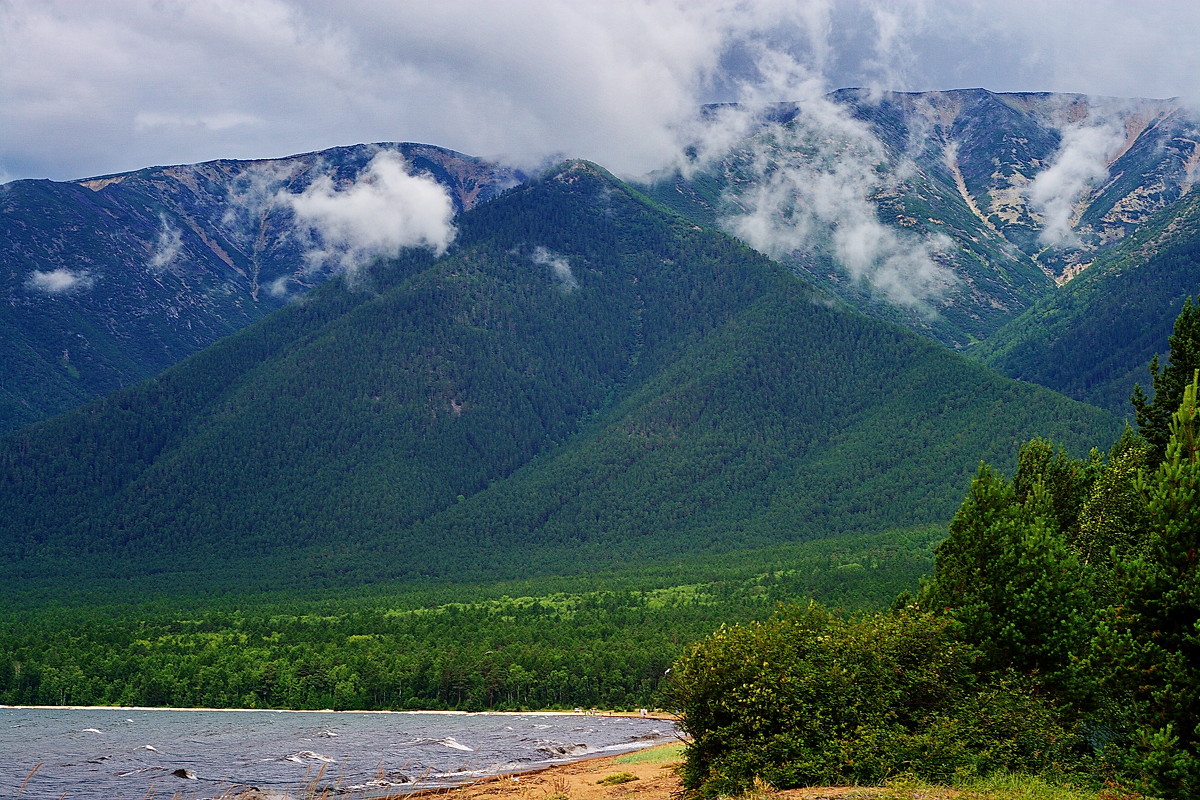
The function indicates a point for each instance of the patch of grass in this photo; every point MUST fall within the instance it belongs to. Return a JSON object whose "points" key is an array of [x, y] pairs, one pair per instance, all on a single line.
{"points": [[1004, 786], [653, 755], [616, 778]]}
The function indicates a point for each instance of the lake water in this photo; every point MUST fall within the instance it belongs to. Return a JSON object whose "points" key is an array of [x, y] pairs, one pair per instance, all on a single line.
{"points": [[112, 754]]}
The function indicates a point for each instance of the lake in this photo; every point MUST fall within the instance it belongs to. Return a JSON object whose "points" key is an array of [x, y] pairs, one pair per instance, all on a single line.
{"points": [[111, 754]]}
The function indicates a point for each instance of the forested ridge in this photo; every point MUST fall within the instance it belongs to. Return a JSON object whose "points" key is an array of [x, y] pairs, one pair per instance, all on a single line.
{"points": [[585, 381], [1057, 635]]}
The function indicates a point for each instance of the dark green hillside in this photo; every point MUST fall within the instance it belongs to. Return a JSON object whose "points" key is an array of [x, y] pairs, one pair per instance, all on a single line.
{"points": [[584, 381], [1092, 339], [60, 347]]}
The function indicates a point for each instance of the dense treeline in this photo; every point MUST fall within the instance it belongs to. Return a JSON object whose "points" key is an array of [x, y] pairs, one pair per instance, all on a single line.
{"points": [[1059, 633], [601, 642]]}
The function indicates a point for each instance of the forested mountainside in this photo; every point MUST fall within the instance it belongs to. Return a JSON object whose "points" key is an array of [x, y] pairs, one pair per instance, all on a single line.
{"points": [[1092, 339], [990, 200], [949, 212], [582, 381], [109, 280]]}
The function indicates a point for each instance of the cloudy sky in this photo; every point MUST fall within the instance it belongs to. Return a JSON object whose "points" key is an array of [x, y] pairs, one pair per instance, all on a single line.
{"points": [[90, 88]]}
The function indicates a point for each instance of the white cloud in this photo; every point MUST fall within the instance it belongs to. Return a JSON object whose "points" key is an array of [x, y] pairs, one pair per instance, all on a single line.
{"points": [[1080, 164], [59, 281], [385, 210], [221, 121], [167, 246], [813, 184], [94, 88], [560, 267]]}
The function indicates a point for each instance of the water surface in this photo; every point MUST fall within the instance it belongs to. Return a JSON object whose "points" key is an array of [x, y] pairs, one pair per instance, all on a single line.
{"points": [[111, 754]]}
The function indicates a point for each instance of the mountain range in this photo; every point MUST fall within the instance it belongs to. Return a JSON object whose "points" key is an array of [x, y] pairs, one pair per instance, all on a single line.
{"points": [[583, 381], [952, 213], [805, 335]]}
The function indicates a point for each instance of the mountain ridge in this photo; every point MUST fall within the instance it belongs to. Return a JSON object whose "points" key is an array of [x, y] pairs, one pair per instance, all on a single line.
{"points": [[581, 381], [111, 279]]}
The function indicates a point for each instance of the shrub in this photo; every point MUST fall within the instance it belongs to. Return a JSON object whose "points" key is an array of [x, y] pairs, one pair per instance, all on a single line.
{"points": [[809, 698]]}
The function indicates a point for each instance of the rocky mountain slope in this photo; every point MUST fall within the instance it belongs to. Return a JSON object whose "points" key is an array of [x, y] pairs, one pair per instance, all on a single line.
{"points": [[1093, 338], [109, 280], [950, 212]]}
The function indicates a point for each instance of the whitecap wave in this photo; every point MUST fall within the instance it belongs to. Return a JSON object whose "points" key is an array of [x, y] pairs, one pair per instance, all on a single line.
{"points": [[309, 755]]}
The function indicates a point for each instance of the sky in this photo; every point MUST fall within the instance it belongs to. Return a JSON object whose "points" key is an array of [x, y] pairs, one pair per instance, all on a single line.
{"points": [[105, 86]]}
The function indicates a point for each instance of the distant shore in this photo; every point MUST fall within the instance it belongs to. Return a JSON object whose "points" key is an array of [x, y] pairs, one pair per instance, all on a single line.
{"points": [[546, 713]]}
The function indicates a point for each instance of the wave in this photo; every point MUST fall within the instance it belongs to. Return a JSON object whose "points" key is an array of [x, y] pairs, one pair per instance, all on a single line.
{"points": [[309, 755]]}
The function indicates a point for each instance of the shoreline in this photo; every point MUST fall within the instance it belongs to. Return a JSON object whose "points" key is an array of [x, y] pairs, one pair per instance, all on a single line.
{"points": [[664, 715]]}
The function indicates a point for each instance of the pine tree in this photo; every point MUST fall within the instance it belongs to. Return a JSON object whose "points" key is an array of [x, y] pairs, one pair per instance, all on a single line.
{"points": [[1113, 521], [1153, 638], [1154, 416], [1006, 574]]}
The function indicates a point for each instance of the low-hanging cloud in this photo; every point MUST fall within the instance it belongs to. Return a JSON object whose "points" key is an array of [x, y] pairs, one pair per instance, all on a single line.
{"points": [[59, 281], [167, 246], [386, 209], [1080, 164], [813, 185], [560, 267]]}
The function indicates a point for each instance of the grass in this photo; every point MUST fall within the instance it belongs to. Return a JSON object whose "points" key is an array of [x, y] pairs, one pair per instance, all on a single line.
{"points": [[617, 778], [653, 755], [1005, 786]]}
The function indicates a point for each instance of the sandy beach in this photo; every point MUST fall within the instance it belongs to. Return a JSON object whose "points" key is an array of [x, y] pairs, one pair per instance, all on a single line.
{"points": [[654, 777]]}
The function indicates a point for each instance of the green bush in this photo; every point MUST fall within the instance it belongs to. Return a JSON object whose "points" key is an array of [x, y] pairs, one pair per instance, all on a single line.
{"points": [[809, 698]]}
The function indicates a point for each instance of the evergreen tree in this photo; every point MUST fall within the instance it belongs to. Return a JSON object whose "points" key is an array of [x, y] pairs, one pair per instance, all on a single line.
{"points": [[1152, 640], [1113, 521], [1154, 416], [1066, 480], [1006, 574]]}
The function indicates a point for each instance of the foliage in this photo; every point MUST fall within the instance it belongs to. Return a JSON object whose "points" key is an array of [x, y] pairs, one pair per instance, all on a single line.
{"points": [[1149, 644], [1006, 574], [1114, 515], [1154, 416], [811, 698]]}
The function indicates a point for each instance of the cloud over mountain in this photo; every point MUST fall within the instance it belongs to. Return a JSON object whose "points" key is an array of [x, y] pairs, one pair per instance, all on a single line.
{"points": [[59, 281], [101, 88], [386, 209]]}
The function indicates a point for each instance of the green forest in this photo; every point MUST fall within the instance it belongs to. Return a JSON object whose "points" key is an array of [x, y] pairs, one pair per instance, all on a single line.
{"points": [[1058, 634], [604, 641]]}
